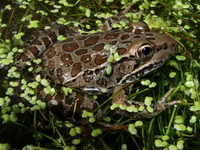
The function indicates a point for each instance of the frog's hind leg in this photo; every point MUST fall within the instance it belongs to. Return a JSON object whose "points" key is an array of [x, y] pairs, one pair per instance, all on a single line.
{"points": [[38, 43], [71, 107]]}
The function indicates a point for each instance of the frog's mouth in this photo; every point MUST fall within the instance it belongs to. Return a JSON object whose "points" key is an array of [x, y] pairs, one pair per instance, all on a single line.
{"points": [[138, 73], [157, 60]]}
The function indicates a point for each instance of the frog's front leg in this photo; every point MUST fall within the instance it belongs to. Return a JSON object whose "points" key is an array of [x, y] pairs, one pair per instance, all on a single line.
{"points": [[135, 109]]}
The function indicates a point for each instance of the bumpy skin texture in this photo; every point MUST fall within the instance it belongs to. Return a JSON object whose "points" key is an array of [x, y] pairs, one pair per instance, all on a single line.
{"points": [[81, 62]]}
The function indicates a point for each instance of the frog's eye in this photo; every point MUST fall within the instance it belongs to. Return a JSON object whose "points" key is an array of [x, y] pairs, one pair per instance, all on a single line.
{"points": [[145, 52]]}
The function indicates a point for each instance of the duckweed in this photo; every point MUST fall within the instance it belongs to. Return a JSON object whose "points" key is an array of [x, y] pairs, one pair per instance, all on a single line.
{"points": [[132, 129]]}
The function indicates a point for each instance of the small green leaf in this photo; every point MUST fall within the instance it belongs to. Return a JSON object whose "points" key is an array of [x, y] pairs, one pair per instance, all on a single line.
{"points": [[109, 1], [5, 146], [179, 119], [44, 82], [193, 119], [150, 109], [132, 129], [145, 82], [96, 132], [88, 13], [92, 120], [76, 141], [180, 144], [165, 137], [152, 85], [61, 38], [189, 84], [189, 129], [141, 108], [33, 24], [138, 123], [1, 101], [180, 127], [107, 119], [72, 132], [172, 74], [85, 114], [159, 143], [172, 147], [180, 57], [124, 147], [122, 107], [78, 130], [113, 106], [148, 100], [108, 69], [8, 7], [116, 56], [132, 109]]}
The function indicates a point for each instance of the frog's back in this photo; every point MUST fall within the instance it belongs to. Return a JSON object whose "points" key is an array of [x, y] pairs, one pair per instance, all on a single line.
{"points": [[82, 60]]}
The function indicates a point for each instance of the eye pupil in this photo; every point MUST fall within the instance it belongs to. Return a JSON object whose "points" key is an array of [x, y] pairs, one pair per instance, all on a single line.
{"points": [[146, 50]]}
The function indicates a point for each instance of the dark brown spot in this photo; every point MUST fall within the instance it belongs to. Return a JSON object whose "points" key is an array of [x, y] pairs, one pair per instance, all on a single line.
{"points": [[151, 38], [121, 51], [149, 34], [51, 66], [138, 31], [137, 37], [86, 58], [81, 51], [91, 40], [129, 29], [60, 75], [165, 46], [46, 41], [34, 50], [37, 42], [62, 29], [127, 42], [77, 67], [124, 37], [98, 47], [146, 29], [51, 53], [101, 81], [158, 47], [66, 59], [100, 59], [88, 76], [24, 58], [113, 43], [70, 46], [51, 35], [111, 35], [97, 71]]}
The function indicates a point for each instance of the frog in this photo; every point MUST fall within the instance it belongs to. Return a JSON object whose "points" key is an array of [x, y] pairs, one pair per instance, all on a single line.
{"points": [[103, 64]]}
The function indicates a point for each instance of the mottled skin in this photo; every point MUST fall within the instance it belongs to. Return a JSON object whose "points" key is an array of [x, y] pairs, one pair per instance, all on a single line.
{"points": [[80, 62]]}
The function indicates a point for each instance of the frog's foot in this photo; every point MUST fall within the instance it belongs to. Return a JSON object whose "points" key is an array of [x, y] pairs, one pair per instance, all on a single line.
{"points": [[134, 109]]}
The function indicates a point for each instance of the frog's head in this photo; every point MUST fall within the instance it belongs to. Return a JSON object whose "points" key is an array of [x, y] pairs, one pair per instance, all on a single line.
{"points": [[148, 52]]}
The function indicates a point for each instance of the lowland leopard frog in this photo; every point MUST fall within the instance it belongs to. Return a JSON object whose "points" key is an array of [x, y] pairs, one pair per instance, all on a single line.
{"points": [[95, 64]]}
